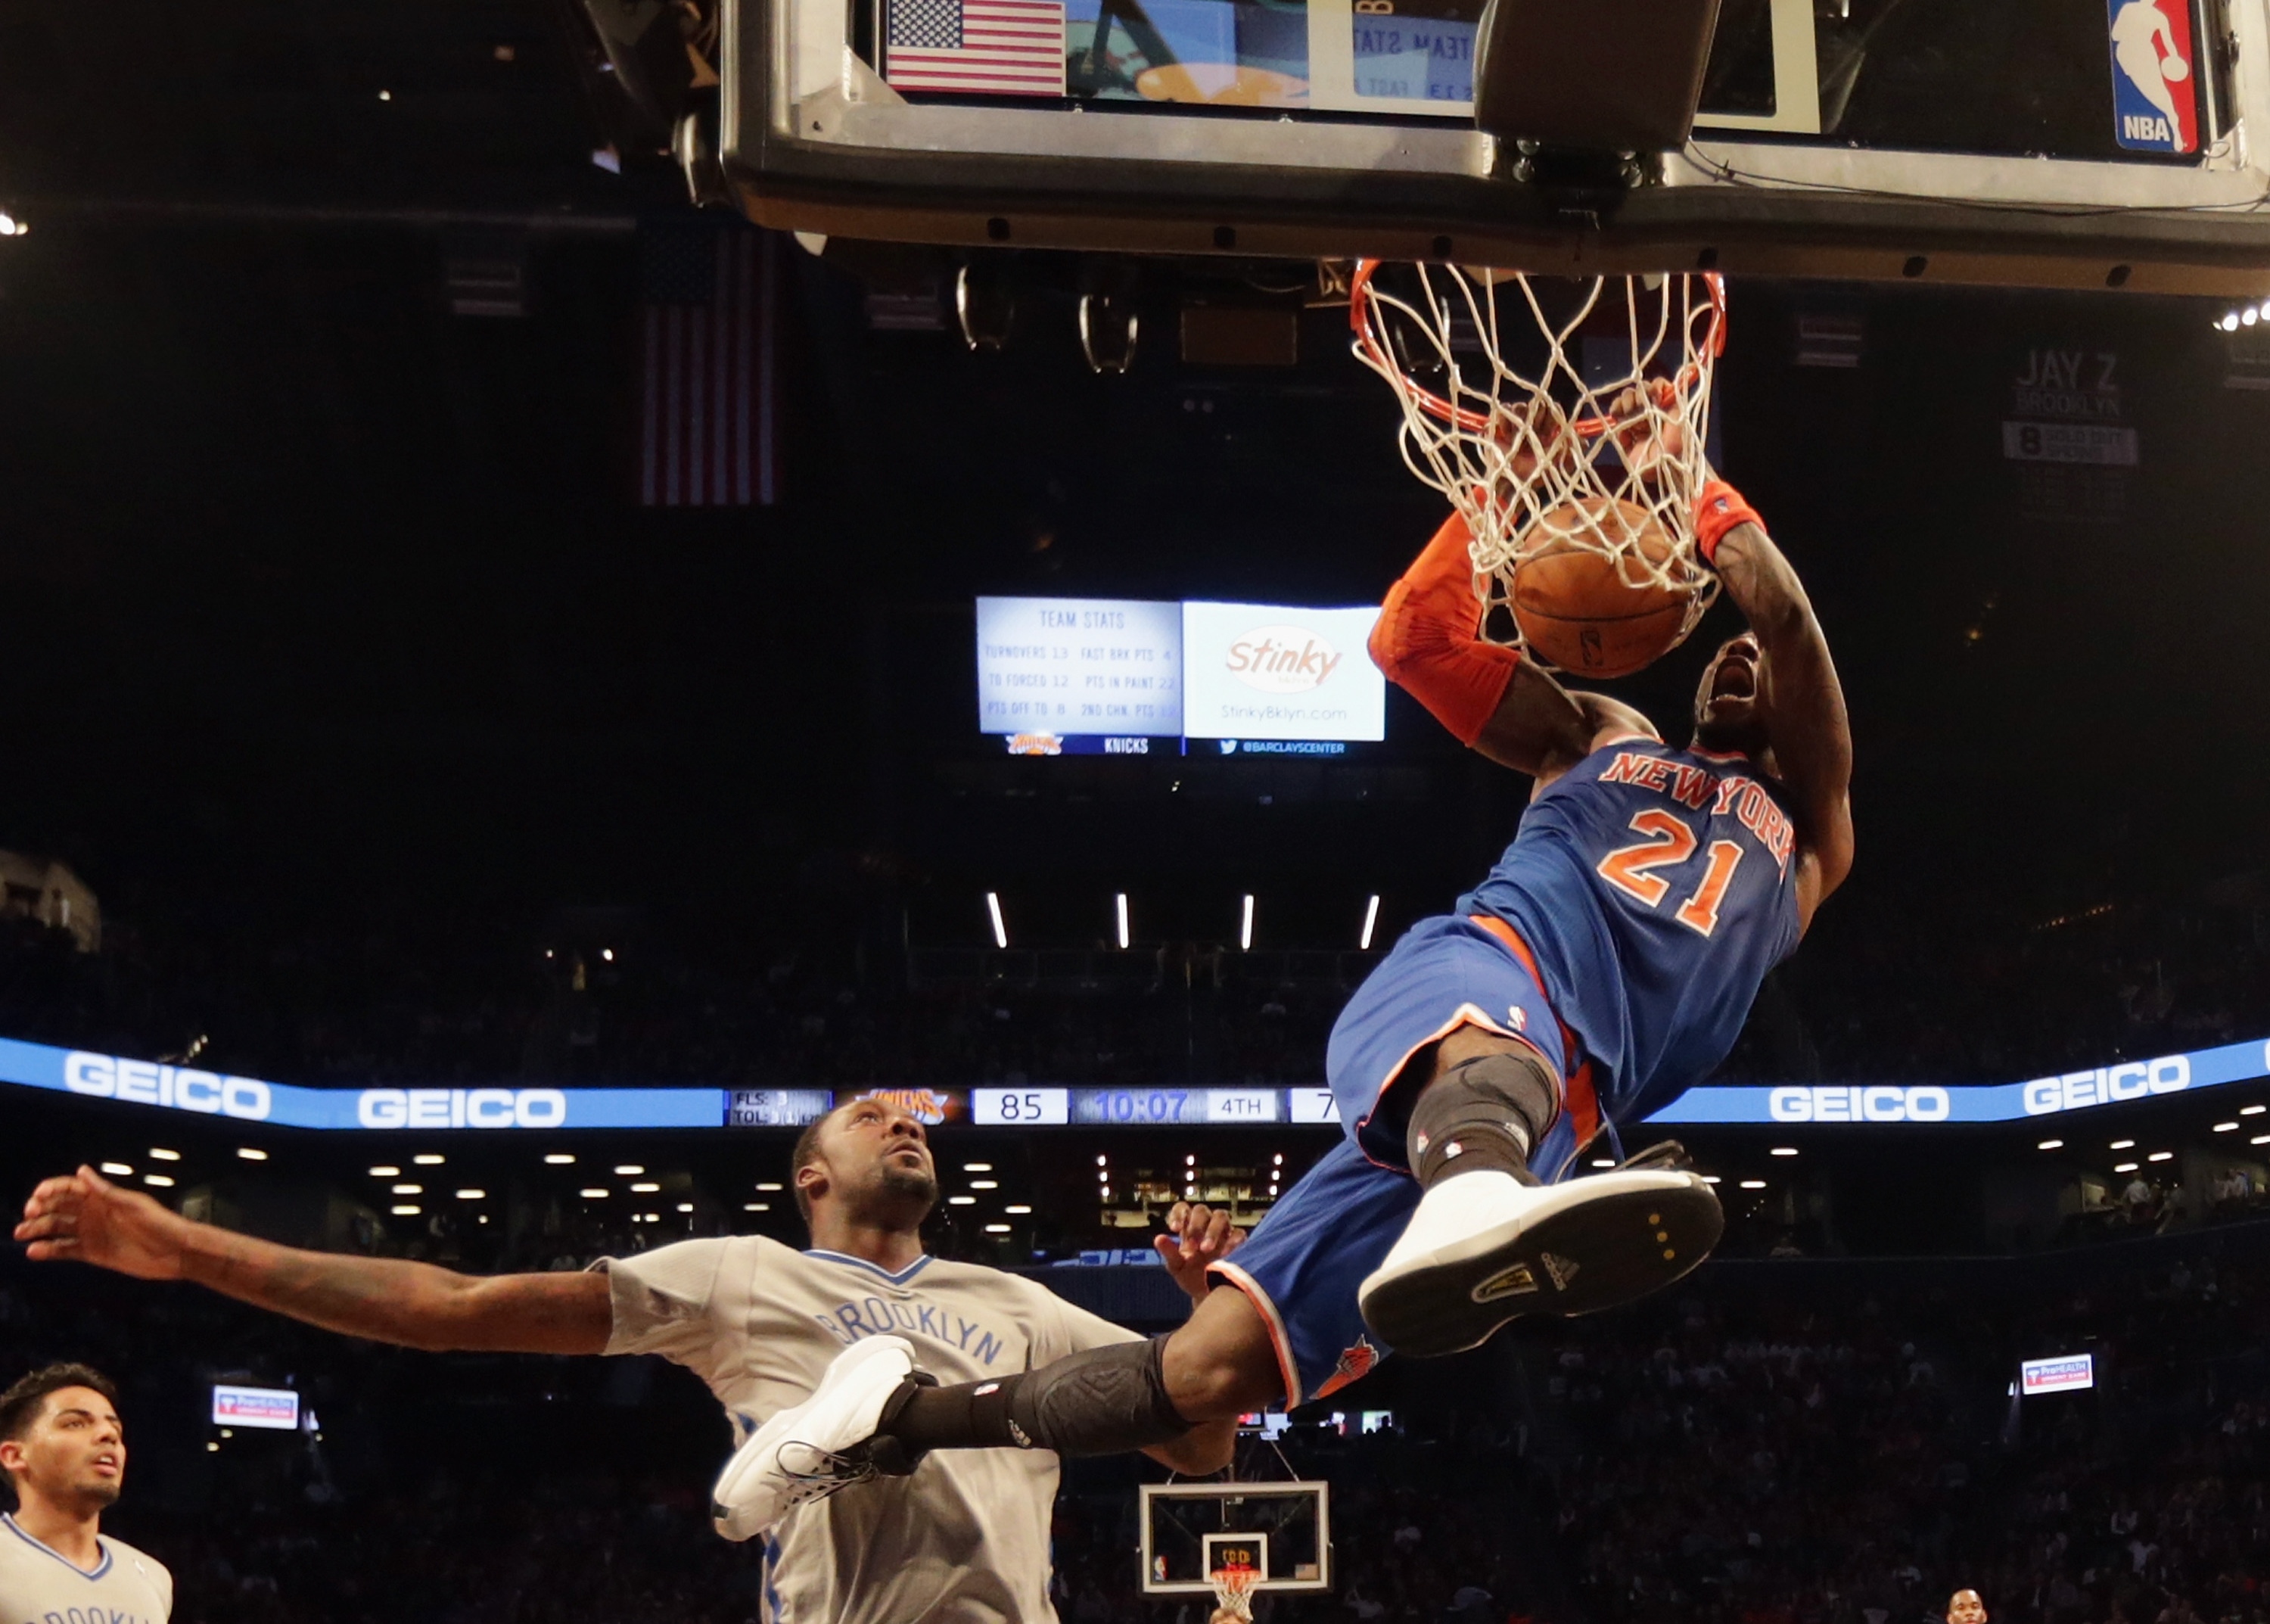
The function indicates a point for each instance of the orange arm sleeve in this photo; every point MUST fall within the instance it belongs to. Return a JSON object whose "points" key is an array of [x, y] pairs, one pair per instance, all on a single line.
{"points": [[1427, 638]]}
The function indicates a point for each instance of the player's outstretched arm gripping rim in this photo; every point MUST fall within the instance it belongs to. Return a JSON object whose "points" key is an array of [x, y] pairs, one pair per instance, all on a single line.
{"points": [[1801, 701]]}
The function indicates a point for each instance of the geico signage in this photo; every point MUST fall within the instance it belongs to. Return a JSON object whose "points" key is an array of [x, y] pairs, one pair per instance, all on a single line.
{"points": [[1874, 1102], [145, 1082], [461, 1107], [2108, 1085]]}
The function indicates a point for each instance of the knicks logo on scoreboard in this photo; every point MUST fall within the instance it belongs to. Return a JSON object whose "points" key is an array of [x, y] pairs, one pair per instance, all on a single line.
{"points": [[2154, 97]]}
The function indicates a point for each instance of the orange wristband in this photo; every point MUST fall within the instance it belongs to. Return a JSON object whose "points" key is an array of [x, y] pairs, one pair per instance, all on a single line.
{"points": [[1718, 510], [1428, 642]]}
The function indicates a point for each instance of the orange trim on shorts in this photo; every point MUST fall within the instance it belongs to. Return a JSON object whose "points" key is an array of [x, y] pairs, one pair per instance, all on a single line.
{"points": [[1578, 1096], [1270, 1321]]}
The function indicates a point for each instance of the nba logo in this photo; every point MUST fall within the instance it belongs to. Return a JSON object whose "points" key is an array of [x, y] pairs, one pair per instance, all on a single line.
{"points": [[2155, 107]]}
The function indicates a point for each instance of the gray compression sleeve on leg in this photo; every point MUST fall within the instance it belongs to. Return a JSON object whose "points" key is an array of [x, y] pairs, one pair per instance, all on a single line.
{"points": [[1103, 1401]]}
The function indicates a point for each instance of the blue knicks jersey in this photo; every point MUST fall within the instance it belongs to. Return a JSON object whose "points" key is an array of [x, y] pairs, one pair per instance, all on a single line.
{"points": [[1655, 886]]}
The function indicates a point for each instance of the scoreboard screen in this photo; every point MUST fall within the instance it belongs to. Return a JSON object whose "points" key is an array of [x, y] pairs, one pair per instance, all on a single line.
{"points": [[1079, 667], [1059, 676]]}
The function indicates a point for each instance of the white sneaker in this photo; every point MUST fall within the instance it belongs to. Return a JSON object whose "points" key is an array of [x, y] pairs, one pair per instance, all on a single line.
{"points": [[809, 1452], [1484, 1249]]}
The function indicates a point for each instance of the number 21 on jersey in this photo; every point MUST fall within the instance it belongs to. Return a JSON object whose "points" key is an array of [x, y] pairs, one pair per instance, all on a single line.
{"points": [[1669, 843]]}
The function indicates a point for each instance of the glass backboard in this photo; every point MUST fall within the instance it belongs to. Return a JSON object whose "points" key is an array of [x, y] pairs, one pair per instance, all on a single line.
{"points": [[2053, 142]]}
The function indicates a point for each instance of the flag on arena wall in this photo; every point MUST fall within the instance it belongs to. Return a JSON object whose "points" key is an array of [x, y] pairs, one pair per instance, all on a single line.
{"points": [[984, 47], [710, 387]]}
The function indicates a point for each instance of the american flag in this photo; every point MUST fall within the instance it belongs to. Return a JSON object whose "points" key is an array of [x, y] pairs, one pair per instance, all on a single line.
{"points": [[708, 416], [990, 47]]}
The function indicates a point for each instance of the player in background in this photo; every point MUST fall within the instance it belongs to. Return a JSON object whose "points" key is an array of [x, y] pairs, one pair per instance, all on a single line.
{"points": [[1605, 965], [963, 1539], [1965, 1607], [63, 1449]]}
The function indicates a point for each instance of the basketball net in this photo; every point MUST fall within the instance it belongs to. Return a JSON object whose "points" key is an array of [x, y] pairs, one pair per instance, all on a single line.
{"points": [[1233, 1588], [1498, 414]]}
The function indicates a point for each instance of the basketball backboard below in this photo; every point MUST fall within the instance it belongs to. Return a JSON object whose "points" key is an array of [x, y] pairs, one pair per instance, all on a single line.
{"points": [[1284, 1530], [2051, 143]]}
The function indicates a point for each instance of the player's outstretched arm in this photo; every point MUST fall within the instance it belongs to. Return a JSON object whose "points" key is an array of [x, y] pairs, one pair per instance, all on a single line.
{"points": [[86, 1218], [1196, 1237], [1429, 641], [1801, 701]]}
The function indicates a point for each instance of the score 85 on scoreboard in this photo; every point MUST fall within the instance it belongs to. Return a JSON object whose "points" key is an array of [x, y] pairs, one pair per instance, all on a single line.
{"points": [[1124, 1107]]}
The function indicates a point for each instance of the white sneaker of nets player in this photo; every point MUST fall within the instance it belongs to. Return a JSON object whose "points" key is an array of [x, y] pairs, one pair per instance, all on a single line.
{"points": [[813, 1450], [1484, 1249]]}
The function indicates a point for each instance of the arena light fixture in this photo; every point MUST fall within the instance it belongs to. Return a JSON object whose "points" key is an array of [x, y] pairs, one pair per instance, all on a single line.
{"points": [[993, 912], [2051, 1144], [2161, 1155], [559, 1159], [117, 1169], [2124, 1166], [607, 955], [157, 1181], [1277, 1161], [164, 1155], [1121, 902], [11, 226], [1018, 1211], [976, 1167], [756, 1206], [769, 1185], [1782, 1150], [592, 1195], [386, 1172], [1754, 1183], [1370, 920], [409, 1190], [1245, 926], [246, 1152], [472, 1195], [686, 1207], [2123, 1145], [1192, 1159], [2259, 1138], [2225, 1127], [431, 1158], [2252, 1111], [1107, 1192], [1604, 1161], [1711, 1178], [985, 1183], [996, 1229], [646, 1187], [629, 1169], [407, 1209], [1102, 1161], [962, 1201]]}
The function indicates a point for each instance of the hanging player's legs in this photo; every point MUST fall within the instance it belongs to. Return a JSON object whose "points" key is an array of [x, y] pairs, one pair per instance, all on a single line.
{"points": [[1433, 1206], [1448, 1062]]}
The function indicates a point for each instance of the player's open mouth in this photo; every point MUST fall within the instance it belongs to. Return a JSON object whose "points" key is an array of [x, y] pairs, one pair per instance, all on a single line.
{"points": [[1735, 680], [106, 1463]]}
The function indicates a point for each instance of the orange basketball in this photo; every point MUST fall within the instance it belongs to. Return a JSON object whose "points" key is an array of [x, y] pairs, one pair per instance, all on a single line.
{"points": [[1575, 609]]}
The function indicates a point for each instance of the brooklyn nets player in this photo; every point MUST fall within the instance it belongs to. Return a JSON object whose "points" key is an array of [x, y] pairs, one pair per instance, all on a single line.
{"points": [[64, 1449], [962, 1540]]}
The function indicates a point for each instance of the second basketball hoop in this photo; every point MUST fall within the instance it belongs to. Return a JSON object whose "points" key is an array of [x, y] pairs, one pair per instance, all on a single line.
{"points": [[1565, 419]]}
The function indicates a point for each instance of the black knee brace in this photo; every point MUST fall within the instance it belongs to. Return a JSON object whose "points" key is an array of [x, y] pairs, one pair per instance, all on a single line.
{"points": [[1491, 1111], [1099, 1402]]}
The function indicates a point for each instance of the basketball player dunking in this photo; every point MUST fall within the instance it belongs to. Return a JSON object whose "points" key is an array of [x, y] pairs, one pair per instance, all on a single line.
{"points": [[964, 1539], [1605, 965]]}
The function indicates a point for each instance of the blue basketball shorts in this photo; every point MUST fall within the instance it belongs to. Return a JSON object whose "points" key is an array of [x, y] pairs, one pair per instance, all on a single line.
{"points": [[1303, 1265]]}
